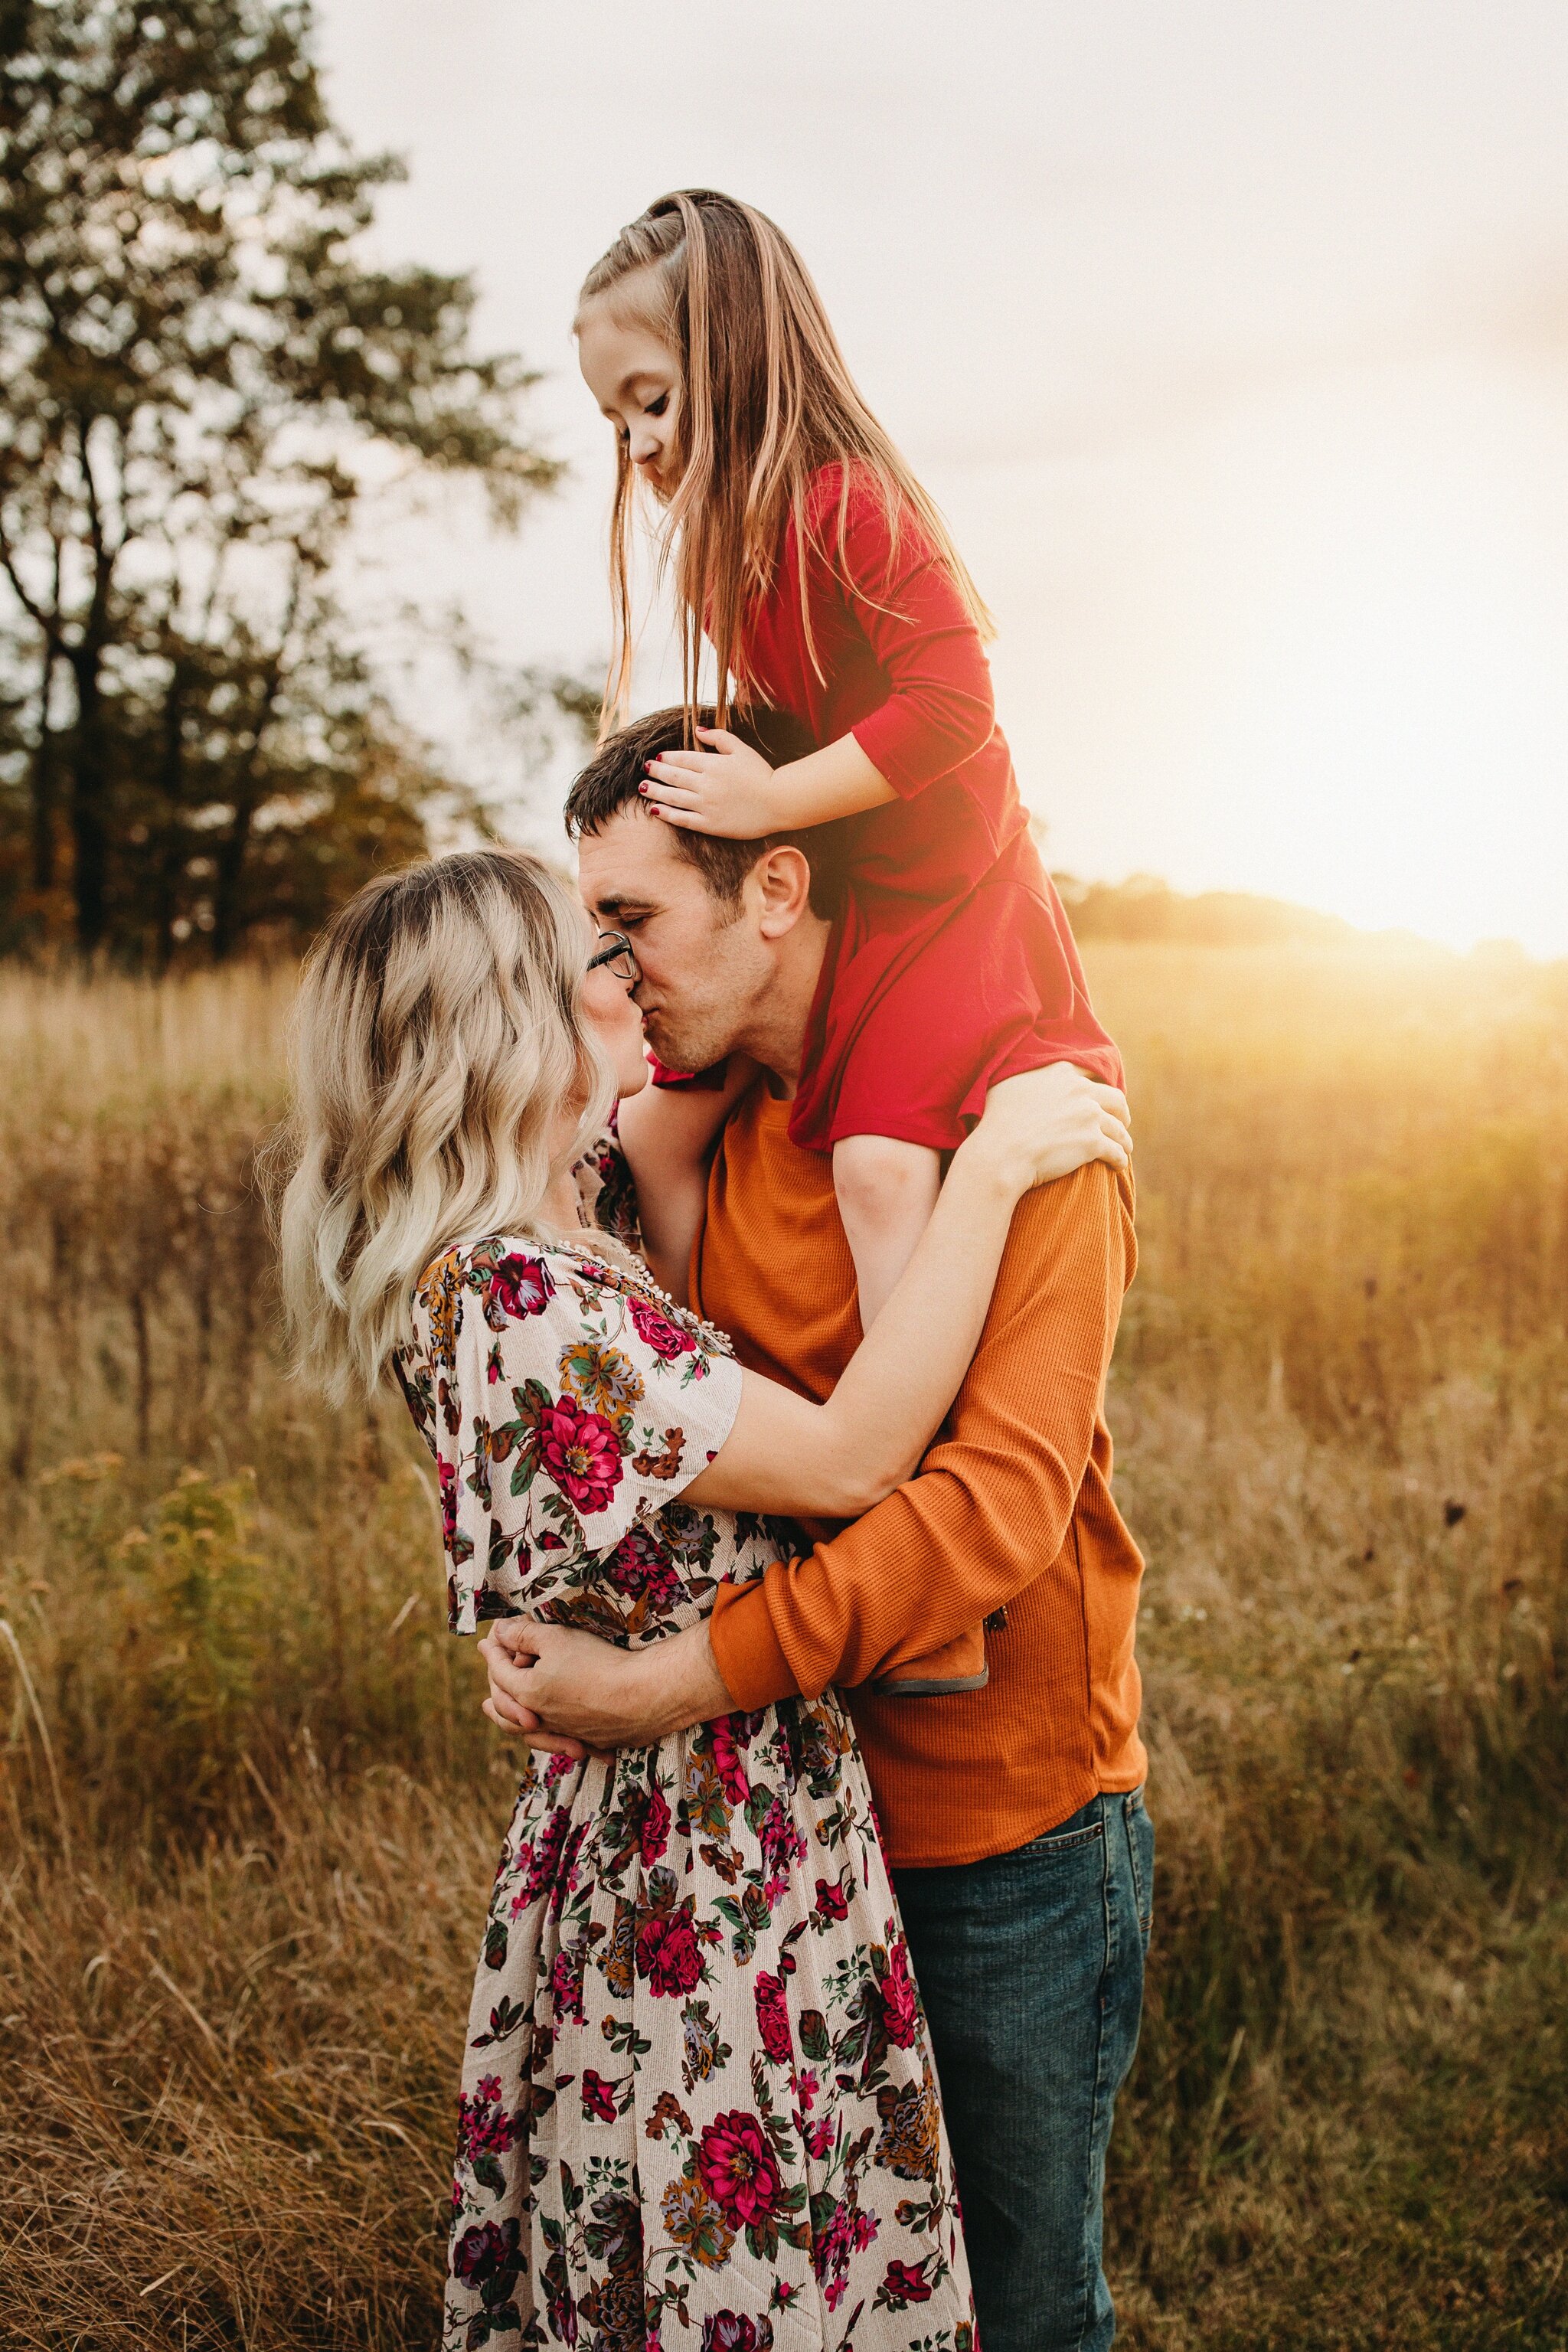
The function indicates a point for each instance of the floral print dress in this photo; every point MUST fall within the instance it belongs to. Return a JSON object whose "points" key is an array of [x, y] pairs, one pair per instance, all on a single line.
{"points": [[698, 2106]]}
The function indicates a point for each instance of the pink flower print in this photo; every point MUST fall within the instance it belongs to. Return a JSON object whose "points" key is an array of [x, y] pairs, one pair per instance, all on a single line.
{"points": [[522, 1286], [598, 2097], [581, 1453], [639, 1564], [483, 2129], [782, 1843], [772, 2017], [727, 1760], [738, 2168], [832, 1903], [730, 2331], [655, 1329], [667, 1954], [544, 1856], [446, 1472], [566, 1983], [655, 1834], [897, 1992], [901, 2286], [566, 1872], [830, 2252], [846, 2233]]}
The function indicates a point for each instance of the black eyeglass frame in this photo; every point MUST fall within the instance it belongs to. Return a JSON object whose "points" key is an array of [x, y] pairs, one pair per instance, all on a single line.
{"points": [[621, 946]]}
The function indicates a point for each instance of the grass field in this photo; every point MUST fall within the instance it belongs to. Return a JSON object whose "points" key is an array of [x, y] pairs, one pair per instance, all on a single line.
{"points": [[251, 1808]]}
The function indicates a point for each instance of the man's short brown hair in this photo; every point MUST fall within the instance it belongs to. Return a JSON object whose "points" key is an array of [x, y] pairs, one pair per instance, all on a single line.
{"points": [[609, 783]]}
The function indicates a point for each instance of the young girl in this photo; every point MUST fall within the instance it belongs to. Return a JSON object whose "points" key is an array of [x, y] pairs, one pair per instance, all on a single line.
{"points": [[807, 553]]}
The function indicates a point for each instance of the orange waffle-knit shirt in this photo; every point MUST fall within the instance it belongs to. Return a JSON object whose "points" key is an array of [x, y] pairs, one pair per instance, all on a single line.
{"points": [[1012, 1510]]}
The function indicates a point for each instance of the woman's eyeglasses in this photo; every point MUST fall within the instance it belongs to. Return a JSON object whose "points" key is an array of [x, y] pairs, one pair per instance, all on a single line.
{"points": [[617, 957]]}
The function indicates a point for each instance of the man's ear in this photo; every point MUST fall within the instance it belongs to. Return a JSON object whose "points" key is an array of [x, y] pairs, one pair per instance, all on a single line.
{"points": [[781, 879]]}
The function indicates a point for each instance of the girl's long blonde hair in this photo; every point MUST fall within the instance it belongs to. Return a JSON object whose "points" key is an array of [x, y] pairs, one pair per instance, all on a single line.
{"points": [[766, 401], [436, 1051]]}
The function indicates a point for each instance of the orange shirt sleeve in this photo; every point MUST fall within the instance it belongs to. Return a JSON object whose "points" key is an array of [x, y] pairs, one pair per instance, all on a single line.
{"points": [[995, 1497]]}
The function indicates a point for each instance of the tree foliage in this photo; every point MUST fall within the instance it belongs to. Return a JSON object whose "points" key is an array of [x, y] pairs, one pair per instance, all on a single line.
{"points": [[202, 378]]}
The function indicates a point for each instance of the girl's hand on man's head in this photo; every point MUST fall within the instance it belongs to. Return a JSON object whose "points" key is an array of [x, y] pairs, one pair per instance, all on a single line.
{"points": [[727, 788]]}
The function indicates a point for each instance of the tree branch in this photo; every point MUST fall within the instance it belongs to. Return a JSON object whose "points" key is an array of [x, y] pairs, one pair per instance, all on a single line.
{"points": [[36, 613]]}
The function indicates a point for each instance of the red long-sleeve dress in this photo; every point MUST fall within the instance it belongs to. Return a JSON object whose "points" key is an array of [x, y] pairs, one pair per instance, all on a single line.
{"points": [[952, 964]]}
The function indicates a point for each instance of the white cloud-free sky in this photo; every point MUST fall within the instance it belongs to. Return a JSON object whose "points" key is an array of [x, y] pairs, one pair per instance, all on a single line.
{"points": [[1232, 337]]}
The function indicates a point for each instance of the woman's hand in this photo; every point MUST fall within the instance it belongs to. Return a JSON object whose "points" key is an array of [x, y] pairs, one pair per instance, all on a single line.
{"points": [[506, 1711], [572, 1695], [1044, 1123]]}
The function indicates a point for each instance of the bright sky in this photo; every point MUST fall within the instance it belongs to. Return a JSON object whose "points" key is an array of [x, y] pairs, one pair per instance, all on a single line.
{"points": [[1232, 337]]}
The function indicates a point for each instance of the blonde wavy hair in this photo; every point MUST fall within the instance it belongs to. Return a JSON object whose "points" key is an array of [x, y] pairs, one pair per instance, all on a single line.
{"points": [[767, 401], [436, 1051]]}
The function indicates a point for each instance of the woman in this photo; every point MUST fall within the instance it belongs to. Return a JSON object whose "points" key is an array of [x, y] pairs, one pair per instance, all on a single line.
{"points": [[697, 2103]]}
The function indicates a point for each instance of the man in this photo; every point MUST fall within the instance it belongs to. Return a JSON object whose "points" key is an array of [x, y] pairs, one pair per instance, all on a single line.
{"points": [[1012, 1812]]}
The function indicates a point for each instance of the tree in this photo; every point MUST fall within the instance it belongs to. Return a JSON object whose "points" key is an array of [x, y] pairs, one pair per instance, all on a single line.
{"points": [[200, 380]]}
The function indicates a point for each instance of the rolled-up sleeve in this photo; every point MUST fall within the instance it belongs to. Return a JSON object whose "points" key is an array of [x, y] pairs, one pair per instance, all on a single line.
{"points": [[993, 1501]]}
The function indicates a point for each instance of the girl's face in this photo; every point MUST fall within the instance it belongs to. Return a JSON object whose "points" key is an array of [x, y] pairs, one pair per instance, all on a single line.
{"points": [[608, 1011], [635, 379]]}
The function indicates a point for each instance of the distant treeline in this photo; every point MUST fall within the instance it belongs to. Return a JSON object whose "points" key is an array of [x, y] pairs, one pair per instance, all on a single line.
{"points": [[1144, 908]]}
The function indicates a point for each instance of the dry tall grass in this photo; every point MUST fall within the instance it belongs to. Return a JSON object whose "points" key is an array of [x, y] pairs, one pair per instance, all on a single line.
{"points": [[250, 1805]]}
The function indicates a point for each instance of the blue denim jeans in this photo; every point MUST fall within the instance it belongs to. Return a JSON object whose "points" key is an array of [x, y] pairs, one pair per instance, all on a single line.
{"points": [[1031, 1969]]}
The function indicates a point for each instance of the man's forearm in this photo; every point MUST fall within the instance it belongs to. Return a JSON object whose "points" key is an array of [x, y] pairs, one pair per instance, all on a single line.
{"points": [[907, 1579], [684, 1678], [574, 1685], [992, 1503]]}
